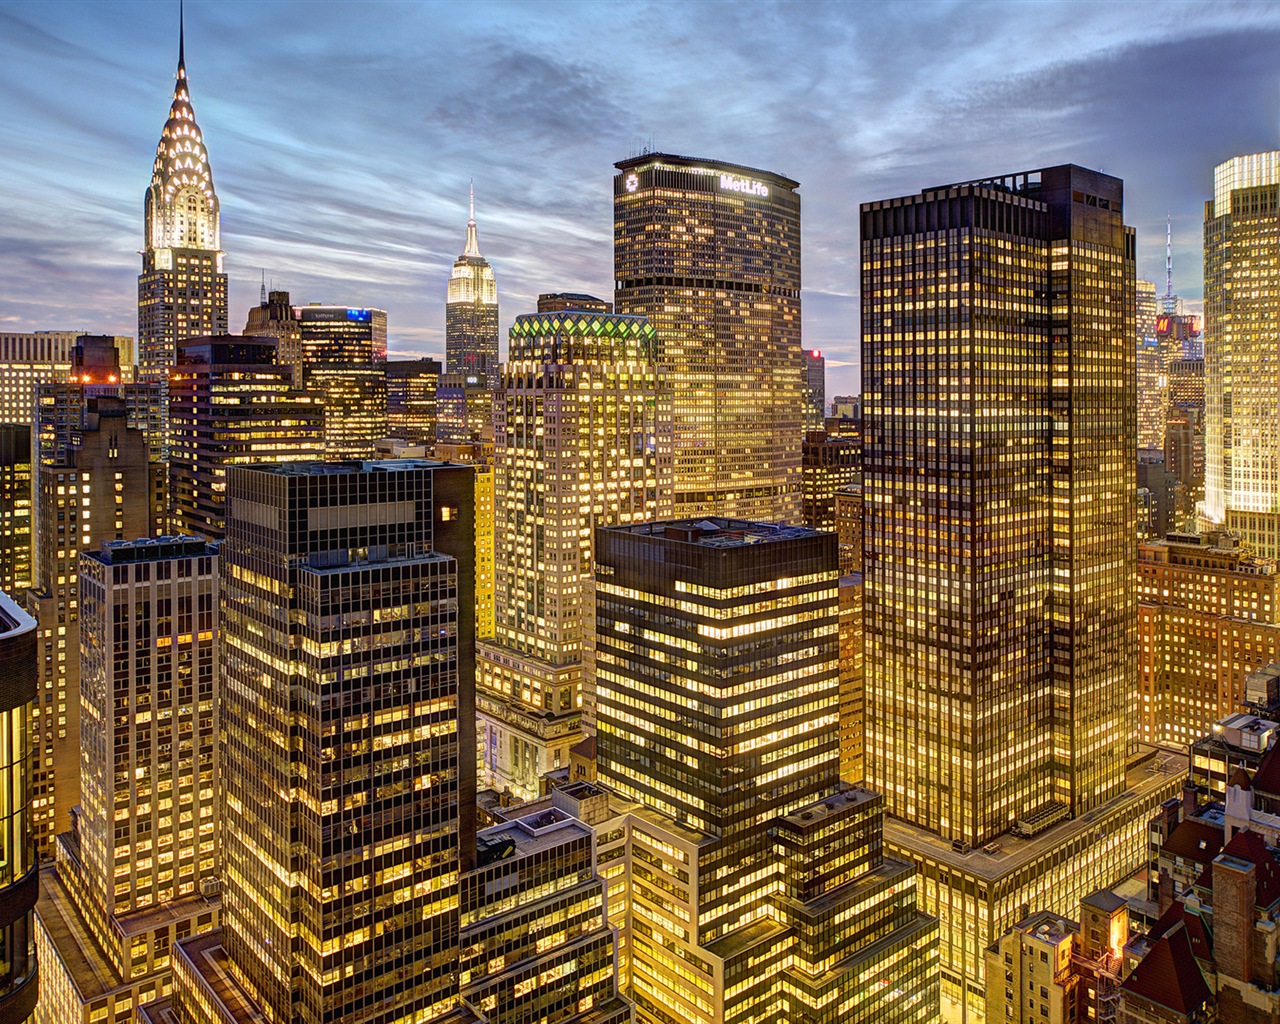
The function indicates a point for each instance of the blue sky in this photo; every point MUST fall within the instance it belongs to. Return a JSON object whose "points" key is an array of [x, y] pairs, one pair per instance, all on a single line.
{"points": [[342, 135]]}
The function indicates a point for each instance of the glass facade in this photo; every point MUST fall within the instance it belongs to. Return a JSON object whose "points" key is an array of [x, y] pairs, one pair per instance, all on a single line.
{"points": [[999, 500], [759, 890], [18, 867], [344, 355], [411, 399], [230, 403], [710, 253], [15, 508], [1153, 371], [1241, 360]]}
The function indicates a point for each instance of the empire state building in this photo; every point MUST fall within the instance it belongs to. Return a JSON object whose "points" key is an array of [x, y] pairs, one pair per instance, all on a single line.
{"points": [[182, 291]]}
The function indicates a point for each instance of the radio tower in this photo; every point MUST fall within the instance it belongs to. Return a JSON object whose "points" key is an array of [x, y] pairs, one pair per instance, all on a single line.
{"points": [[1169, 304]]}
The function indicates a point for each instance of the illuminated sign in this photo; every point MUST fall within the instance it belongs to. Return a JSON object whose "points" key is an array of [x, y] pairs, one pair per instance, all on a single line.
{"points": [[732, 183], [361, 315], [1162, 324], [632, 183]]}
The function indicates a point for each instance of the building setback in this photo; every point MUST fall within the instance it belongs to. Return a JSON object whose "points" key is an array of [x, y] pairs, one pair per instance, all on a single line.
{"points": [[471, 313], [710, 253], [751, 863]]}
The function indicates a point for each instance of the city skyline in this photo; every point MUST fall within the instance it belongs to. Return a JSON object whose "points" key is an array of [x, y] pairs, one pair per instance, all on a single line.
{"points": [[336, 227]]}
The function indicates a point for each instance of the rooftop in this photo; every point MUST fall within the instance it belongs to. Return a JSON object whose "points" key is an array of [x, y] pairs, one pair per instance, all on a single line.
{"points": [[717, 532], [710, 166], [537, 831], [150, 549], [91, 972], [1158, 771]]}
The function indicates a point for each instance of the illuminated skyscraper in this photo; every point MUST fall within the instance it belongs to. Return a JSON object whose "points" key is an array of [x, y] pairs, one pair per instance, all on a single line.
{"points": [[140, 866], [273, 317], [348, 731], [759, 887], [471, 313], [19, 879], [232, 404], [411, 399], [583, 440], [15, 509], [815, 389], [182, 290], [344, 356], [464, 410], [1153, 371], [999, 419], [103, 486], [710, 253], [1241, 359], [829, 463], [27, 360]]}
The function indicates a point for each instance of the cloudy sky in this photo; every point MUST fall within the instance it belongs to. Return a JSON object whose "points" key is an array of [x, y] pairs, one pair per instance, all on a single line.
{"points": [[342, 135]]}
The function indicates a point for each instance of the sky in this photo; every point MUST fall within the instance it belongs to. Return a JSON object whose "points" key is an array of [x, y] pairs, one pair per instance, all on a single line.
{"points": [[342, 136]]}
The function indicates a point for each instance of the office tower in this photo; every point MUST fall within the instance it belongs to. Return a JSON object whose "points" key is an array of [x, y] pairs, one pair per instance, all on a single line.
{"points": [[140, 866], [464, 410], [710, 253], [852, 692], [583, 439], [752, 865], [231, 403], [103, 487], [1179, 335], [1000, 614], [43, 357], [1208, 616], [347, 738], [1241, 364], [182, 290], [1186, 384], [480, 456], [274, 317], [536, 942], [554, 302], [95, 371], [815, 389], [849, 527], [15, 508], [1153, 374], [827, 464], [471, 313], [411, 399], [1161, 488], [847, 407], [344, 352], [19, 878]]}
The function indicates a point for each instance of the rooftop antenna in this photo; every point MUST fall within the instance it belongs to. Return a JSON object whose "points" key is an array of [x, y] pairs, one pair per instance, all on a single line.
{"points": [[1168, 257], [182, 50], [264, 286]]}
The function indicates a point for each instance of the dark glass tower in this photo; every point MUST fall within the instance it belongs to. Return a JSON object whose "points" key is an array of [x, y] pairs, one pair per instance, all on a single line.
{"points": [[710, 253], [471, 313], [1000, 421], [348, 745]]}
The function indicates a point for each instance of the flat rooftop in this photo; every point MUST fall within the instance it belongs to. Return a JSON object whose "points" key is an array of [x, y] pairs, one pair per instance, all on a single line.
{"points": [[538, 830], [1144, 779], [718, 532], [92, 973]]}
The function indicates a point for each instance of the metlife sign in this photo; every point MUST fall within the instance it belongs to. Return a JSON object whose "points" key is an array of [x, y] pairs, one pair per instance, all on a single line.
{"points": [[732, 183]]}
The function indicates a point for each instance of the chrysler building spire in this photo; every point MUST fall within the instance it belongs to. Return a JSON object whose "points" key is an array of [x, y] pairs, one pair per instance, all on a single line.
{"points": [[182, 290]]}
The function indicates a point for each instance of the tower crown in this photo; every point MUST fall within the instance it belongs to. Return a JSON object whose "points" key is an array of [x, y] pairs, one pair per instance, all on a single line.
{"points": [[182, 206]]}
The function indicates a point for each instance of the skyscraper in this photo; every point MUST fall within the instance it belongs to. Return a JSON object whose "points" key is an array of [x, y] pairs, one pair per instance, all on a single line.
{"points": [[15, 508], [273, 317], [348, 732], [182, 290], [583, 439], [344, 355], [464, 409], [756, 873], [411, 399], [19, 880], [999, 414], [140, 866], [471, 312], [710, 253], [27, 360], [231, 404], [1242, 363], [815, 389], [104, 486], [1153, 371]]}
